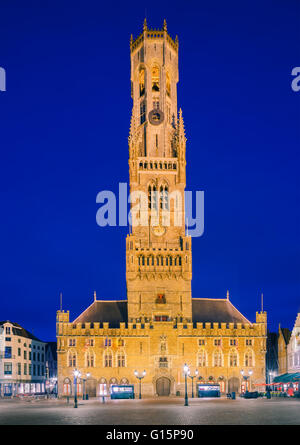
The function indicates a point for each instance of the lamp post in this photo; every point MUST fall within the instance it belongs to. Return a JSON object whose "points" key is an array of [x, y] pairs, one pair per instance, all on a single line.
{"points": [[186, 371], [246, 377], [140, 377], [192, 377], [270, 376], [83, 381], [77, 375]]}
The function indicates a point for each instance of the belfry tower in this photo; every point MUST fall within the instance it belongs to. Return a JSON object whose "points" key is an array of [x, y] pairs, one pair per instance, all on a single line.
{"points": [[158, 252]]}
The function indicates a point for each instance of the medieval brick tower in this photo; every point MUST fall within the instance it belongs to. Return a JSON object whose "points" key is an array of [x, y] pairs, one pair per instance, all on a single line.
{"points": [[158, 253], [159, 327]]}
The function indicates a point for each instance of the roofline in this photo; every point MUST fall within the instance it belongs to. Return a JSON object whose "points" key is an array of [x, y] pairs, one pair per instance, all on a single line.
{"points": [[96, 301], [109, 301], [225, 299], [207, 298], [239, 312]]}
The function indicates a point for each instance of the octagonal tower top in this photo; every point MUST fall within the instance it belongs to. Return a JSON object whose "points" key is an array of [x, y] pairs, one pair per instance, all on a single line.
{"points": [[153, 34]]}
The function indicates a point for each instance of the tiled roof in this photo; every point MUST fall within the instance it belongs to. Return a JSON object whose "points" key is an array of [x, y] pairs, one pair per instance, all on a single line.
{"points": [[216, 311], [113, 312], [18, 330], [204, 310]]}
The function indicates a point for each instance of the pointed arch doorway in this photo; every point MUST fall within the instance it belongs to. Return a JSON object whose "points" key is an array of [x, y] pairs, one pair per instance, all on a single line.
{"points": [[163, 386]]}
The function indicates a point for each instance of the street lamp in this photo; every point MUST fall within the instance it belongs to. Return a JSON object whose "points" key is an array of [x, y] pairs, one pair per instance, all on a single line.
{"points": [[192, 377], [83, 389], [140, 377], [246, 377], [271, 374], [77, 375], [186, 371]]}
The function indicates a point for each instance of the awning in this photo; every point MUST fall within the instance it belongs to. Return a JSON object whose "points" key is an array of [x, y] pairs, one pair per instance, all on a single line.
{"points": [[287, 378]]}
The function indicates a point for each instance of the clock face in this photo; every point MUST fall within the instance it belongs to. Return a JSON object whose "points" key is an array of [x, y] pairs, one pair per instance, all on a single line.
{"points": [[156, 117], [158, 230]]}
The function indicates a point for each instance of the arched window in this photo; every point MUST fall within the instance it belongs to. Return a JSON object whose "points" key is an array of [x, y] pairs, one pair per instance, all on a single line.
{"points": [[164, 197], [217, 358], [121, 362], [142, 112], [233, 359], [155, 78], [90, 359], [72, 360], [168, 84], [67, 388], [108, 359], [249, 359], [142, 81], [201, 358], [152, 197]]}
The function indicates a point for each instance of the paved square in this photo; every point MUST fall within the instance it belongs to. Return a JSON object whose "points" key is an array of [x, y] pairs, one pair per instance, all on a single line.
{"points": [[159, 411]]}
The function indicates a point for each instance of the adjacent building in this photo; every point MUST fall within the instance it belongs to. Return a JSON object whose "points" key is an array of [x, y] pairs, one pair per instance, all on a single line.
{"points": [[293, 348], [283, 339], [51, 367], [22, 361], [159, 326]]}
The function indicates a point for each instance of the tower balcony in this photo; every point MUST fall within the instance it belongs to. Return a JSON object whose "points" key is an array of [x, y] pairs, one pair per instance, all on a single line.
{"points": [[157, 164]]}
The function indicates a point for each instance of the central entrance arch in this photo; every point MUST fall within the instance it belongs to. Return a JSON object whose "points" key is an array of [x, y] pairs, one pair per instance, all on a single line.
{"points": [[233, 384], [163, 386]]}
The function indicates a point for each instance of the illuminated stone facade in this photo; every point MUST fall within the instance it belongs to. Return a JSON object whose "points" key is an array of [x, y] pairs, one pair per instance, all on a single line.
{"points": [[160, 327]]}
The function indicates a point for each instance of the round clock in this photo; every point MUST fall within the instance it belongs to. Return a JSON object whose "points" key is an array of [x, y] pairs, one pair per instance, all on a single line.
{"points": [[158, 230], [156, 117]]}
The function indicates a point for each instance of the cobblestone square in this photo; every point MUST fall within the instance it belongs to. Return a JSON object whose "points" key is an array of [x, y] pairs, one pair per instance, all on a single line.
{"points": [[159, 411]]}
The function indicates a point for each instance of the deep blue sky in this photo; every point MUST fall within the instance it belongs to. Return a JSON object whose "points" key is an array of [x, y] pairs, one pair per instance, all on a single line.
{"points": [[64, 123]]}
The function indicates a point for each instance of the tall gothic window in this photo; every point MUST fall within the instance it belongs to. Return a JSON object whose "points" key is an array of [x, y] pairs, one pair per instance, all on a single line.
{"points": [[108, 360], [217, 358], [121, 360], [201, 359], [249, 359], [142, 81], [168, 84], [164, 198], [90, 359], [155, 78], [72, 359], [152, 197], [142, 112], [233, 359]]}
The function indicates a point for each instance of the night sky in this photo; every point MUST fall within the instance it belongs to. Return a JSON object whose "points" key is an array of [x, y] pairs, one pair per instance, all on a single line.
{"points": [[64, 123]]}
